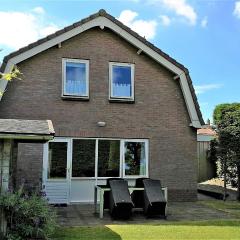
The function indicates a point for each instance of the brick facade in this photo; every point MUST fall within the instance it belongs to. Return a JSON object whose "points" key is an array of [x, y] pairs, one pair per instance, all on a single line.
{"points": [[29, 165], [159, 112]]}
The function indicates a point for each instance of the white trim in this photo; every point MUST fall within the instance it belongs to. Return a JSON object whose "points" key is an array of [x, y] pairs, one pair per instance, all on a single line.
{"points": [[96, 161], [61, 181], [68, 159], [53, 186], [102, 139], [71, 60], [188, 99], [147, 158], [132, 66], [103, 21], [69, 140]]}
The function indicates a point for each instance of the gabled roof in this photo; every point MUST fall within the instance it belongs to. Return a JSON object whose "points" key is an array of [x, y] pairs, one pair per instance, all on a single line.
{"points": [[102, 19], [26, 129]]}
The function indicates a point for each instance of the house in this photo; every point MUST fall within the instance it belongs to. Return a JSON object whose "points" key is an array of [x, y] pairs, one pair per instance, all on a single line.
{"points": [[206, 168], [120, 107]]}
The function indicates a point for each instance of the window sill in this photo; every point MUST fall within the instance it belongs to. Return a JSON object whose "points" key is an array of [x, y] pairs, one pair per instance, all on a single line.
{"points": [[74, 98], [121, 100]]}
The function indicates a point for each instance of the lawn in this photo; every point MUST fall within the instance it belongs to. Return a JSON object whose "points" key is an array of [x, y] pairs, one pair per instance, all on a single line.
{"points": [[230, 207], [170, 230], [165, 230]]}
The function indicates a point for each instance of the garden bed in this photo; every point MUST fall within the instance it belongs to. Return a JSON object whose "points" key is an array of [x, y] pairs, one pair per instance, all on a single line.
{"points": [[215, 188]]}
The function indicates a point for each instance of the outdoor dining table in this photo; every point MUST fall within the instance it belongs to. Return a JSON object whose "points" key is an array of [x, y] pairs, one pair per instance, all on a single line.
{"points": [[103, 188]]}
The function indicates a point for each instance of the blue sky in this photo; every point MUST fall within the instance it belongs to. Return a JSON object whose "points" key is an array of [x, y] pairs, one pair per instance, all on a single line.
{"points": [[201, 34]]}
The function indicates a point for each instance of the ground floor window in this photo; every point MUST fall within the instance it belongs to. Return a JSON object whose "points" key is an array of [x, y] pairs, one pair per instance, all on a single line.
{"points": [[97, 158], [135, 158], [57, 160], [108, 158], [83, 157]]}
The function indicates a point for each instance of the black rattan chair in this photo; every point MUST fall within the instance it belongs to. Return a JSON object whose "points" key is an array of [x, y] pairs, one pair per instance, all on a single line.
{"points": [[120, 201], [107, 194], [154, 199]]}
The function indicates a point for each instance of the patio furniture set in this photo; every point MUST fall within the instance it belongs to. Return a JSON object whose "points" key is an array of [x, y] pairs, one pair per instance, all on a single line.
{"points": [[121, 199]]}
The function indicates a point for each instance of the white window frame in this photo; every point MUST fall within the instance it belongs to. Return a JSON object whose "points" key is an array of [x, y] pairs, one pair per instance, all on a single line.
{"points": [[123, 161], [46, 156], [123, 98], [95, 160], [66, 60], [120, 162]]}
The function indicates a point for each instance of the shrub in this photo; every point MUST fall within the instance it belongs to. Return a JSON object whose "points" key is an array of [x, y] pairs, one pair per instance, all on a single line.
{"points": [[28, 216]]}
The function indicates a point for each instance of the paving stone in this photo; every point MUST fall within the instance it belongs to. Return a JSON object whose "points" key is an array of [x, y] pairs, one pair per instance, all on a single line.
{"points": [[83, 215]]}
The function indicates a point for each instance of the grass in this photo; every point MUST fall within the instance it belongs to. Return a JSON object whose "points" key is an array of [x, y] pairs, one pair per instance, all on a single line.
{"points": [[230, 207], [166, 230], [203, 230]]}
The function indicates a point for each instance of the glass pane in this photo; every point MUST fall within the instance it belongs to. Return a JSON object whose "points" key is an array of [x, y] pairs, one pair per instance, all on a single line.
{"points": [[135, 158], [57, 160], [121, 81], [76, 82], [83, 158], [108, 158]]}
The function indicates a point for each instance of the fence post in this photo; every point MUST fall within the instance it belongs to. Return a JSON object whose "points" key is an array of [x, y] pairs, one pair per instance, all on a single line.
{"points": [[5, 157]]}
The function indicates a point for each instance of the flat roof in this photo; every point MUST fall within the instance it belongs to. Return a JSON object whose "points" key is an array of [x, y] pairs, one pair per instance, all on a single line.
{"points": [[26, 129]]}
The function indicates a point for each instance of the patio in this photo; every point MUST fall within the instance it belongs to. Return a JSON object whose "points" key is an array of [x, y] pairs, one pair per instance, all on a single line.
{"points": [[83, 215]]}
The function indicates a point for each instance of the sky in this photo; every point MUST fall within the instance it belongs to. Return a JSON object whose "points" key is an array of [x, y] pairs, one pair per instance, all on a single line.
{"points": [[203, 35]]}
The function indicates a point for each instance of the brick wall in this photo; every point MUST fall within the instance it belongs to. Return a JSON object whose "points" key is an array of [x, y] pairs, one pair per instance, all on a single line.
{"points": [[159, 112], [29, 165]]}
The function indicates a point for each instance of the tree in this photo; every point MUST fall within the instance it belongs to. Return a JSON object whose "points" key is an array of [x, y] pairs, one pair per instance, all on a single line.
{"points": [[229, 141], [221, 109], [227, 120]]}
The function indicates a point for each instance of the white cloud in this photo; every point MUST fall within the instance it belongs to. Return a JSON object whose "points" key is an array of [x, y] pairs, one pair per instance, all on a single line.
{"points": [[145, 28], [204, 88], [165, 20], [204, 22], [236, 11], [48, 30], [21, 28], [38, 10], [181, 8]]}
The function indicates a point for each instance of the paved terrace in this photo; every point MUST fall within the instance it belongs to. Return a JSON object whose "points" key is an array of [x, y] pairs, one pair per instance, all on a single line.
{"points": [[83, 215]]}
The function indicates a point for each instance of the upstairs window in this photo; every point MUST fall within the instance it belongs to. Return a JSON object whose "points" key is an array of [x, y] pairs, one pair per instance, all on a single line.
{"points": [[121, 81], [76, 78]]}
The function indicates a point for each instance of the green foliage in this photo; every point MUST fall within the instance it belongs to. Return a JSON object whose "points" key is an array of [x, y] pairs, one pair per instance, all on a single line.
{"points": [[221, 109], [28, 216], [229, 138], [133, 158], [212, 152], [227, 117], [229, 133], [13, 74]]}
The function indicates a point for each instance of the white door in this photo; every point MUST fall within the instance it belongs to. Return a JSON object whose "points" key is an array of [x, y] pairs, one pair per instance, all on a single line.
{"points": [[56, 170]]}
